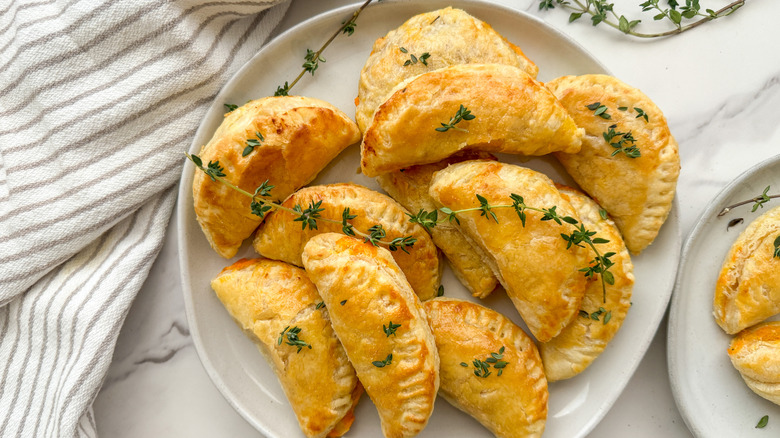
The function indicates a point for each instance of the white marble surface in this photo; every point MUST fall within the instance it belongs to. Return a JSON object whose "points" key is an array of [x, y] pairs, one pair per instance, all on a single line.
{"points": [[719, 86]]}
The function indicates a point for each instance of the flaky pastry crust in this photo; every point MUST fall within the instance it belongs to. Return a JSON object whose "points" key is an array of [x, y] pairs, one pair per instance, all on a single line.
{"points": [[513, 114], [282, 238], [748, 287], [265, 296], [301, 136], [585, 338], [531, 261], [410, 188], [513, 404], [450, 36], [637, 192], [755, 353], [365, 291]]}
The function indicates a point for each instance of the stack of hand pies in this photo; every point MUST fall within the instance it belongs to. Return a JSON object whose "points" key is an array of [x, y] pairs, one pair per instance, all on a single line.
{"points": [[353, 316]]}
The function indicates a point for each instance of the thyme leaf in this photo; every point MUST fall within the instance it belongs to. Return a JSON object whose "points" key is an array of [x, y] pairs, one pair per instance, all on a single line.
{"points": [[383, 363], [292, 338], [390, 328]]}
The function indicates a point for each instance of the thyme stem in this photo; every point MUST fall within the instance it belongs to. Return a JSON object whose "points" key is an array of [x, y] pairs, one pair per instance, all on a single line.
{"points": [[347, 23], [748, 201], [722, 12], [276, 206]]}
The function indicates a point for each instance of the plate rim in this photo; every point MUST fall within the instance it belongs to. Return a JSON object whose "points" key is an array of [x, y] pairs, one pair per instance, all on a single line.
{"points": [[672, 339], [185, 183]]}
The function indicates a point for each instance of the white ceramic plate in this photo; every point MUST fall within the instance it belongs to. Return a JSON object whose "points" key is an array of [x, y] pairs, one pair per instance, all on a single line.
{"points": [[713, 399], [234, 363]]}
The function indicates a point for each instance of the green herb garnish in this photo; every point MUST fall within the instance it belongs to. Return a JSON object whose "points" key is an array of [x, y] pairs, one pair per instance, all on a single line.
{"points": [[292, 338], [482, 367], [462, 114], [390, 329], [252, 143], [602, 11], [762, 422], [229, 107], [777, 247], [440, 291], [758, 201], [599, 110], [625, 142], [383, 363]]}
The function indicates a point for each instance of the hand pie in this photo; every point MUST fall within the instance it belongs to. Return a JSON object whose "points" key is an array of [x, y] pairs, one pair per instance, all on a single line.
{"points": [[531, 260], [755, 353], [569, 353], [300, 135], [748, 287], [511, 112], [449, 36], [637, 192], [269, 300], [509, 395], [410, 188], [282, 238], [382, 325]]}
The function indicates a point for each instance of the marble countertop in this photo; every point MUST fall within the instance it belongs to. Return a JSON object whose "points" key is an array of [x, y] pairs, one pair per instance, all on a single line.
{"points": [[719, 87]]}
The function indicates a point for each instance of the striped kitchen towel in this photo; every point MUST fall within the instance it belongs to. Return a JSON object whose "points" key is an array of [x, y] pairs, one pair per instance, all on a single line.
{"points": [[99, 99]]}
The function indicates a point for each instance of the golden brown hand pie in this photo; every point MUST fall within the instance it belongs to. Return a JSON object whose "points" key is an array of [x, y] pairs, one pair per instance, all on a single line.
{"points": [[449, 36], [513, 113], [410, 188], [748, 287], [532, 263], [301, 135], [755, 353], [578, 345], [266, 298], [282, 238], [382, 325], [637, 192], [510, 404]]}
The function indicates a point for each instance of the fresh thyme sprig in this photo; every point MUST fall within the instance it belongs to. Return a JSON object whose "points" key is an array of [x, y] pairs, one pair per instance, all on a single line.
{"points": [[777, 247], [462, 114], [292, 338], [229, 107], [580, 236], [758, 201], [599, 110], [601, 11], [312, 58], [308, 216]]}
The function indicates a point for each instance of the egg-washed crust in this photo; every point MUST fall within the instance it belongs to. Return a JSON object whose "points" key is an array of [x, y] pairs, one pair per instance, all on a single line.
{"points": [[365, 290], [539, 273], [637, 192], [281, 238], [755, 353], [513, 114], [584, 339], [410, 188], [511, 405], [301, 136], [265, 296], [748, 287], [450, 36]]}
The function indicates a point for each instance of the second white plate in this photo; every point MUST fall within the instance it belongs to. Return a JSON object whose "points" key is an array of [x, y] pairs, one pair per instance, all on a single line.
{"points": [[713, 399]]}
